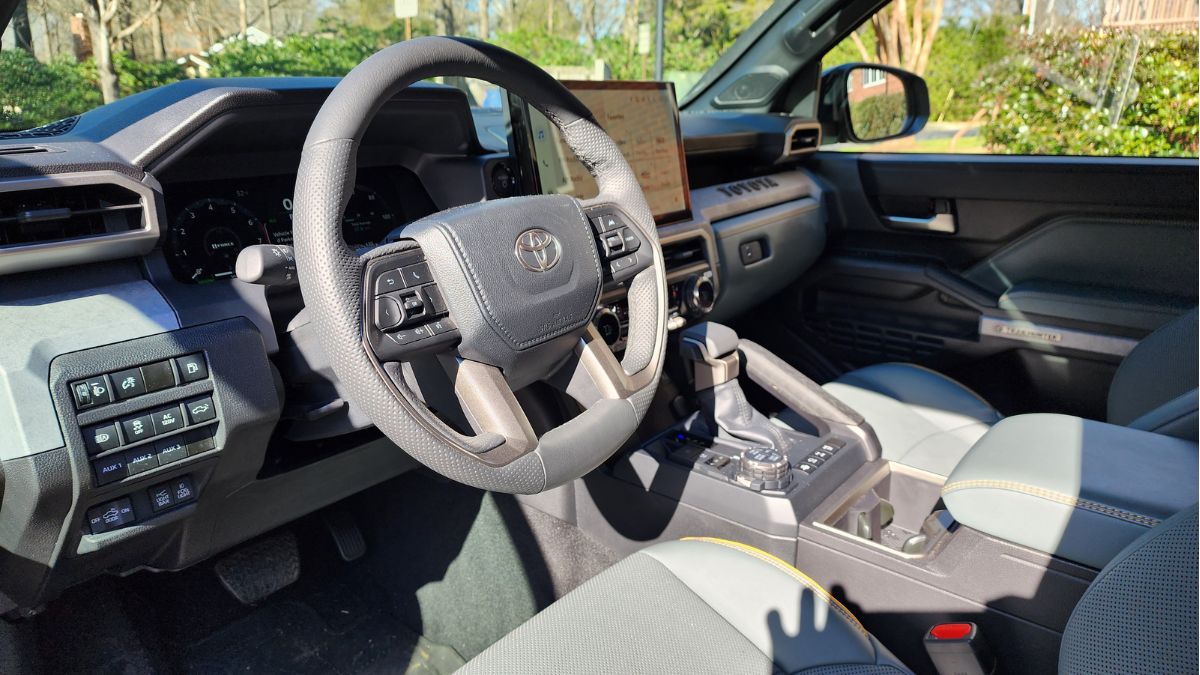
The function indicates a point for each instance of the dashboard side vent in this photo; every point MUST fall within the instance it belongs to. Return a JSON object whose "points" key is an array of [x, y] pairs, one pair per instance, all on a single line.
{"points": [[803, 140], [684, 253], [56, 214]]}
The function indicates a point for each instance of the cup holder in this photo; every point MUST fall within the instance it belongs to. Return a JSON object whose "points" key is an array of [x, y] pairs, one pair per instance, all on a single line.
{"points": [[893, 509]]}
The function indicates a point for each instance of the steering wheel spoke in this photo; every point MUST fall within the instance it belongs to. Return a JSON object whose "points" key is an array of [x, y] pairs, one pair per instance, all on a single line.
{"points": [[405, 311], [491, 406]]}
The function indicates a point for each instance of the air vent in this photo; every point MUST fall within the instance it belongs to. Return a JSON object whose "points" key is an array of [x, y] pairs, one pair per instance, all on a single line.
{"points": [[65, 213], [22, 149], [803, 140], [685, 253], [46, 130]]}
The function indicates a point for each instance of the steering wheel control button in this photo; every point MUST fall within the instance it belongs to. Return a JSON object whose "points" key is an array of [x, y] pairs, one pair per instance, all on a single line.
{"points": [[200, 440], [631, 241], [109, 469], [623, 263], [201, 410], [388, 313], [167, 420], [101, 438], [415, 275], [141, 460], [158, 376], [138, 428], [442, 326], [433, 299], [111, 515], [128, 383], [391, 280], [607, 222], [192, 368], [170, 450]]}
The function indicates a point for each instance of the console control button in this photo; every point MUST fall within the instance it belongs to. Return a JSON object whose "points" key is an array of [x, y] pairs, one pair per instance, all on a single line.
{"points": [[110, 515], [141, 460], [161, 497], [101, 438], [415, 275], [171, 450], [815, 461], [101, 392], [109, 469], [192, 368], [138, 428], [821, 455], [128, 383], [181, 489], [806, 468], [82, 395], [200, 410], [167, 420], [158, 376], [390, 280], [200, 440]]}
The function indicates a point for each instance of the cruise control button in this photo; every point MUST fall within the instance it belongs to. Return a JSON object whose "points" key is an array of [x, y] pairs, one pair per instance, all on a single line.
{"points": [[632, 242], [129, 383], [162, 497], [613, 244], [607, 222], [111, 515], [171, 450], [109, 469], [388, 314], [200, 410], [390, 280], [415, 275], [141, 460], [158, 376], [138, 428], [101, 438], [192, 368], [167, 420]]}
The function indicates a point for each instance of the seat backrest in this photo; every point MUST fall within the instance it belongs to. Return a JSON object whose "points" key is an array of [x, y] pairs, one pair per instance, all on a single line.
{"points": [[1154, 389], [1139, 615]]}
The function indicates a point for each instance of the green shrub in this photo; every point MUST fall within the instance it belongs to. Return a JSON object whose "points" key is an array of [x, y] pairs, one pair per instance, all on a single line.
{"points": [[47, 91], [1059, 97], [879, 117]]}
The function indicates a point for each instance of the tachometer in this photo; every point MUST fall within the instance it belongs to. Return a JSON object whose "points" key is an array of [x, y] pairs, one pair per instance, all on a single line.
{"points": [[206, 237]]}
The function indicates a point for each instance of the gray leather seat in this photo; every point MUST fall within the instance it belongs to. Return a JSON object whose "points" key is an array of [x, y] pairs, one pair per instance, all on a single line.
{"points": [[928, 421], [713, 606]]}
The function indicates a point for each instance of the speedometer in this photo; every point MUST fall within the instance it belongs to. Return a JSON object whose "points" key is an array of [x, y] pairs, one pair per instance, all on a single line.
{"points": [[368, 219], [206, 237]]}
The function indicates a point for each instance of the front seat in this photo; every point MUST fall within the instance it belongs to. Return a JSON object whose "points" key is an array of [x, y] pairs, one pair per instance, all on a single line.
{"points": [[928, 421], [714, 606]]}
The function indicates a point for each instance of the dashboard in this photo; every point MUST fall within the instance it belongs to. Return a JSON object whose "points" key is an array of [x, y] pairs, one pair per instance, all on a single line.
{"points": [[210, 222]]}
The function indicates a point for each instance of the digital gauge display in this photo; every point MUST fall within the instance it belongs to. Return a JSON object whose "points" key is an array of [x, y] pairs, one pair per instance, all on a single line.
{"points": [[211, 222]]}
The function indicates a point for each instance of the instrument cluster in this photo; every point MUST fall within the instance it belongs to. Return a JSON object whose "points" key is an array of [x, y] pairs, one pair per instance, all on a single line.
{"points": [[211, 222]]}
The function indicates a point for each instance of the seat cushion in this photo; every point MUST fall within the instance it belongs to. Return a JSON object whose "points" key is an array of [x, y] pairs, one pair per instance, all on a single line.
{"points": [[923, 419], [692, 606]]}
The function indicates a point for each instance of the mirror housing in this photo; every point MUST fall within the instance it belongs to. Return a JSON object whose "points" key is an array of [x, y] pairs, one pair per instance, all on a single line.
{"points": [[863, 103]]}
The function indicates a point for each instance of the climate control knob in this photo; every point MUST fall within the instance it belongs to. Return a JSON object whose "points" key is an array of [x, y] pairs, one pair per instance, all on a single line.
{"points": [[700, 294], [764, 469]]}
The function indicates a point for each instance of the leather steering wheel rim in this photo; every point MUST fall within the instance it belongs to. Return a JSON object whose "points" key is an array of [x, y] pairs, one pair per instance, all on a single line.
{"points": [[502, 455]]}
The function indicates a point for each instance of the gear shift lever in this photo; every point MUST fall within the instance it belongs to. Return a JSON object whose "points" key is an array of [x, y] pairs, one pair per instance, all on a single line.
{"points": [[712, 350]]}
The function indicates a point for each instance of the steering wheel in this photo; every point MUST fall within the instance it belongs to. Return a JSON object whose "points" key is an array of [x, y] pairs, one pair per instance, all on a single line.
{"points": [[501, 291]]}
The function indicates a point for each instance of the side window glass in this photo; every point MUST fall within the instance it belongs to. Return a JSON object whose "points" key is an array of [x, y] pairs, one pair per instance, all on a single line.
{"points": [[1039, 77]]}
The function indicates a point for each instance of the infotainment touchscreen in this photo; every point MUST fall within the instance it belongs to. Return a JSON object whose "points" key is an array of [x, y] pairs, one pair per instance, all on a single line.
{"points": [[643, 119]]}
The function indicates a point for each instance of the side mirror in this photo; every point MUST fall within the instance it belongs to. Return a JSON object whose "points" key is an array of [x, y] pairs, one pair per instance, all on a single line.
{"points": [[868, 102]]}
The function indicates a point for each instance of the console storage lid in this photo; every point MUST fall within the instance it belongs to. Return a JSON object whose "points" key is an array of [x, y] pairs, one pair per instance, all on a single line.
{"points": [[1075, 488]]}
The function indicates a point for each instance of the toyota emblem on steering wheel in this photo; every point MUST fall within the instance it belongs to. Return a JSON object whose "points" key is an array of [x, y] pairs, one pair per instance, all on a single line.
{"points": [[537, 250]]}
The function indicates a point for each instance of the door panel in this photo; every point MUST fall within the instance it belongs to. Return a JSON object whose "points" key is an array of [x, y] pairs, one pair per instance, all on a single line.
{"points": [[1055, 268]]}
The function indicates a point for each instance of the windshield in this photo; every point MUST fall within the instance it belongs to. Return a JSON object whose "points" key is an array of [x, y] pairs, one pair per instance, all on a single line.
{"points": [[62, 57]]}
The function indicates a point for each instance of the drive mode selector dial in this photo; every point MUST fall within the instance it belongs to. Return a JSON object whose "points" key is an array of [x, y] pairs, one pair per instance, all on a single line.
{"points": [[764, 469]]}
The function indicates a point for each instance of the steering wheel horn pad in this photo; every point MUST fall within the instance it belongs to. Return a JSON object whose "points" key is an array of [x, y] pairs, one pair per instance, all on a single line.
{"points": [[520, 278]]}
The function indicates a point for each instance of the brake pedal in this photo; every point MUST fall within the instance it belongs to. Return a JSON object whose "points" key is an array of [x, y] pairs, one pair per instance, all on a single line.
{"points": [[254, 572], [349, 539]]}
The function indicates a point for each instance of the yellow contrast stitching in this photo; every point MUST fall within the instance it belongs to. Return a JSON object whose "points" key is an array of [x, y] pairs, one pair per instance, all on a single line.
{"points": [[791, 571], [1061, 498]]}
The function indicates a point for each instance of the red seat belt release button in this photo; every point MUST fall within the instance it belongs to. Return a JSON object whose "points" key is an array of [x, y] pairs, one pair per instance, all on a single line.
{"points": [[959, 649]]}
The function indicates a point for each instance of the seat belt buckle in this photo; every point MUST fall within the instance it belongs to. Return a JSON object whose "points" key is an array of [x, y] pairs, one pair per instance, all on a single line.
{"points": [[959, 649]]}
